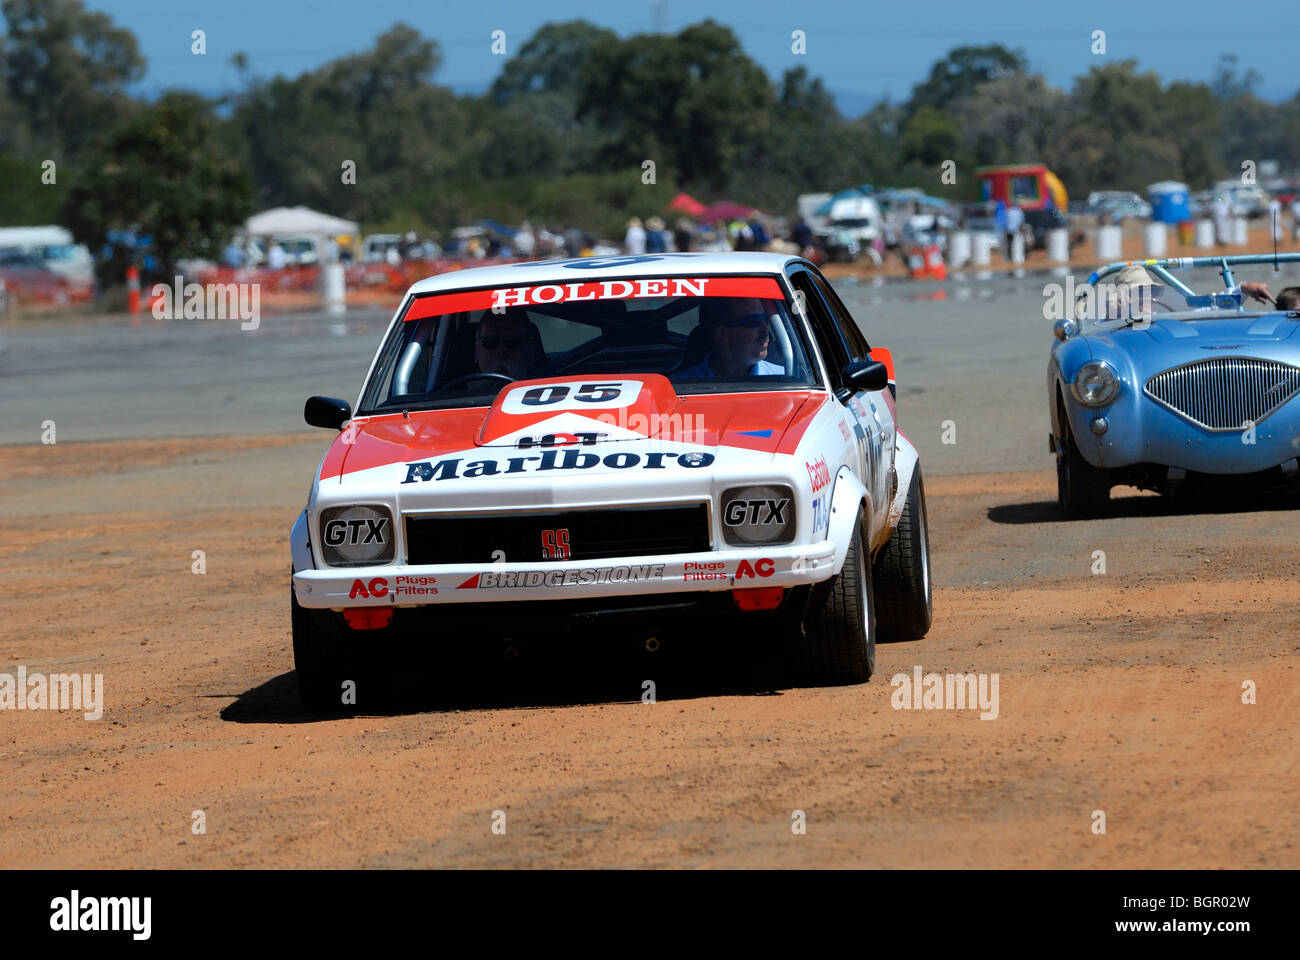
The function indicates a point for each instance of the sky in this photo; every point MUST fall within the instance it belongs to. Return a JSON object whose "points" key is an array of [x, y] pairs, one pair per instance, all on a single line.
{"points": [[862, 49]]}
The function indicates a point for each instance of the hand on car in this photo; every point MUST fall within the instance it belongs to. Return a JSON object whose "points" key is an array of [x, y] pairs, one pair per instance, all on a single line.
{"points": [[1257, 290]]}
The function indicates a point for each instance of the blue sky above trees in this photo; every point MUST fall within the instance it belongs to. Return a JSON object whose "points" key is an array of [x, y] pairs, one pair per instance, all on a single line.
{"points": [[862, 51]]}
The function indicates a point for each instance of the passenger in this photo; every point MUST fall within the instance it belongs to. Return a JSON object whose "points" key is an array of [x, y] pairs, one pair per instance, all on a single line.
{"points": [[509, 343], [738, 331], [1289, 299]]}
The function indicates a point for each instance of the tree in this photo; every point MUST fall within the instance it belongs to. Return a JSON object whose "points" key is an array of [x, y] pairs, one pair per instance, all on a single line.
{"points": [[550, 61], [692, 102], [1012, 119], [1117, 134], [377, 114], [67, 68], [961, 71], [165, 172]]}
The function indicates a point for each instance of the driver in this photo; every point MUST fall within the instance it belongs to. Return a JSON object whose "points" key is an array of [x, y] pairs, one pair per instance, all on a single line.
{"points": [[508, 343], [738, 331]]}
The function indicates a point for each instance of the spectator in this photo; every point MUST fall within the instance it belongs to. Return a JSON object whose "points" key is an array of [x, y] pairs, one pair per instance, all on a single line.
{"points": [[634, 241], [655, 241], [393, 256], [233, 255], [802, 236], [572, 241], [1220, 211], [1015, 219], [275, 257], [525, 241], [682, 234]]}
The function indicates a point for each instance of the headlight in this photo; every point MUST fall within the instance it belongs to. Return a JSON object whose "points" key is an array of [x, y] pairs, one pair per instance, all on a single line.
{"points": [[1095, 385], [356, 536], [758, 515]]}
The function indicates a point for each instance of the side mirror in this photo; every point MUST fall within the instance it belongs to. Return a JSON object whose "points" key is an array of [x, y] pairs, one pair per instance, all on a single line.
{"points": [[1065, 329], [328, 412], [867, 375]]}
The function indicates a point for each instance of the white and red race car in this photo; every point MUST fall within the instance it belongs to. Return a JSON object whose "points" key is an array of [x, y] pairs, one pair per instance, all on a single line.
{"points": [[641, 442]]}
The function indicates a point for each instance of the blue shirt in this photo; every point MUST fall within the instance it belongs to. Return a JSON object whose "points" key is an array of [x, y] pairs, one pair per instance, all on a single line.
{"points": [[702, 370]]}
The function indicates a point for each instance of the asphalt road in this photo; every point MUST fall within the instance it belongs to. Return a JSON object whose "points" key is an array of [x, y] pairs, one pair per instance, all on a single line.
{"points": [[975, 358]]}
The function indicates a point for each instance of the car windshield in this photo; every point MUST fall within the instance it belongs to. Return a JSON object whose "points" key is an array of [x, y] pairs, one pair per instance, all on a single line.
{"points": [[706, 334]]}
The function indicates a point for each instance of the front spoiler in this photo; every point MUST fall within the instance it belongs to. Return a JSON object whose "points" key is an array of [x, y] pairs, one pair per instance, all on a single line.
{"points": [[407, 586]]}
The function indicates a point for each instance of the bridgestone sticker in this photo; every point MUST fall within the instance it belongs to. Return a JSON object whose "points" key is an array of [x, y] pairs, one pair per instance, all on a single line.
{"points": [[580, 577]]}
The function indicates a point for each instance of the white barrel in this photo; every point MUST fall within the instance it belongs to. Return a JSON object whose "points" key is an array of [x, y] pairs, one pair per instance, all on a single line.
{"points": [[1110, 244], [981, 244], [1157, 240], [1058, 245], [1240, 235], [335, 288], [1018, 248], [1205, 234], [959, 248]]}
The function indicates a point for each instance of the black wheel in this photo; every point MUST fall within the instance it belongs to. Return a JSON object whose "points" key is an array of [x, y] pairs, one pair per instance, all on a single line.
{"points": [[905, 599], [319, 661], [836, 643], [1082, 489]]}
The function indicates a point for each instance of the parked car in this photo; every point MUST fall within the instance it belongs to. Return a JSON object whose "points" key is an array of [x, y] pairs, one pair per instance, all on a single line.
{"points": [[1038, 222], [1178, 399], [1119, 205], [634, 445]]}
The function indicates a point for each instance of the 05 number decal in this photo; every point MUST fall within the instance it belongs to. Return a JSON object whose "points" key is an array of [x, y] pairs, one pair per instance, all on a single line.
{"points": [[578, 395]]}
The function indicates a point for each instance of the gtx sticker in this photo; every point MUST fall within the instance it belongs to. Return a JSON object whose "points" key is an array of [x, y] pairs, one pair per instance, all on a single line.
{"points": [[339, 532], [578, 577], [450, 469], [762, 513], [580, 394]]}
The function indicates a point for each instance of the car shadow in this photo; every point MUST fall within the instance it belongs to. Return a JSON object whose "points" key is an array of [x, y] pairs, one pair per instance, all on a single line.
{"points": [[1049, 511], [531, 678]]}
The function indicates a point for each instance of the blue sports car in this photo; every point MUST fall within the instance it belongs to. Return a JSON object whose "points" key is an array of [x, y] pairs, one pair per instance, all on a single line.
{"points": [[1171, 397]]}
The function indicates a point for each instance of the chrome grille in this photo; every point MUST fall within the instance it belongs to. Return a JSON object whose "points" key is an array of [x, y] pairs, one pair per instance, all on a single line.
{"points": [[1226, 393]]}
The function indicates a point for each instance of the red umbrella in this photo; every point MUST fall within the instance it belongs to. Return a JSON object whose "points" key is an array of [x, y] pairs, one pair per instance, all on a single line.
{"points": [[687, 204], [726, 210]]}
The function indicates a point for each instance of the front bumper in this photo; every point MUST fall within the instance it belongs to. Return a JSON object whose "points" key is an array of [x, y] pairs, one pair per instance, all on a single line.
{"points": [[407, 586]]}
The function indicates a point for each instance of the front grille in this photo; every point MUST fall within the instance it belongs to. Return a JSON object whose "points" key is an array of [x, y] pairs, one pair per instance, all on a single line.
{"points": [[1226, 393], [531, 537]]}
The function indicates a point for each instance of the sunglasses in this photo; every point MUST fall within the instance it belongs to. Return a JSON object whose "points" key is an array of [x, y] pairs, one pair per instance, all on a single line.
{"points": [[750, 321], [491, 342]]}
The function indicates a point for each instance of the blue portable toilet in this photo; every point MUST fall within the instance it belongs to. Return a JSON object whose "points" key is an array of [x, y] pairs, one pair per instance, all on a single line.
{"points": [[1169, 201]]}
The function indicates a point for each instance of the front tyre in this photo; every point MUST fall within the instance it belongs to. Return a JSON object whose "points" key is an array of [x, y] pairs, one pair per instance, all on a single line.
{"points": [[1082, 489], [318, 661], [901, 573], [836, 643]]}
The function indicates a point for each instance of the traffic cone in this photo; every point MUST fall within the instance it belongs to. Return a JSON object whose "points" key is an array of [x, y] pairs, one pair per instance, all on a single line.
{"points": [[934, 264], [915, 264], [133, 289]]}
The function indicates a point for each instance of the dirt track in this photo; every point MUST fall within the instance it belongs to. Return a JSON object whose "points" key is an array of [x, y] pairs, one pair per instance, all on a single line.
{"points": [[1118, 692]]}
